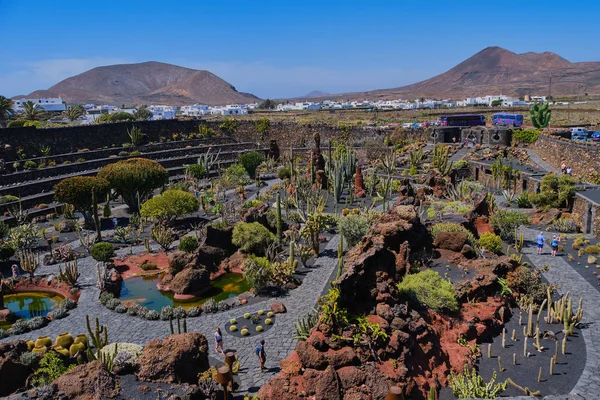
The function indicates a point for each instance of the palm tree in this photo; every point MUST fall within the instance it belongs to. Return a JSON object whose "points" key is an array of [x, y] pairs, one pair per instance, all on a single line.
{"points": [[72, 113], [5, 109], [32, 110]]}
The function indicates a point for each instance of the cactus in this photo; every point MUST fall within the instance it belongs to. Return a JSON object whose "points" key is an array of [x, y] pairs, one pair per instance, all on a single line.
{"points": [[500, 365], [440, 160], [147, 245], [70, 274], [519, 241], [514, 358], [432, 393], [415, 157], [525, 347], [564, 345], [208, 160], [279, 219], [29, 262], [551, 367], [530, 321], [99, 335], [65, 340], [540, 115], [340, 251], [489, 351], [540, 375], [504, 338]]}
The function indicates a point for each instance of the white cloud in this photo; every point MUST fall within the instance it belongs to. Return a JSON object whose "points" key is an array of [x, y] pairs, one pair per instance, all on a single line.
{"points": [[262, 79]]}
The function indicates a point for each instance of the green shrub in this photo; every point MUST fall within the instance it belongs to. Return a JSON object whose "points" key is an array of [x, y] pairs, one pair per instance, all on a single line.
{"points": [[250, 161], [18, 123], [8, 199], [525, 135], [257, 272], [555, 191], [491, 242], [235, 175], [430, 289], [29, 165], [196, 171], [170, 204], [51, 367], [353, 227], [78, 192], [413, 170], [148, 266], [523, 200], [452, 227], [102, 252], [462, 163], [592, 249], [505, 223], [252, 237], [135, 179], [189, 244], [284, 173]]}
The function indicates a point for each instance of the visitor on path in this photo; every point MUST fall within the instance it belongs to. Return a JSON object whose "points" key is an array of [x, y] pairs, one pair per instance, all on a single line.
{"points": [[219, 341], [563, 167], [569, 170], [262, 356], [15, 271], [540, 242], [554, 245], [115, 222]]}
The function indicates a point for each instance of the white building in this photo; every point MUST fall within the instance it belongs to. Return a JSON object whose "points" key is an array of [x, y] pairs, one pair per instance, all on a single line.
{"points": [[48, 104], [195, 110], [231, 109], [162, 112]]}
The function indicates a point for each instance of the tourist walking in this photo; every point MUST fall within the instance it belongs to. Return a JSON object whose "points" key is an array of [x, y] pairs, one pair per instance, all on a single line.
{"points": [[569, 170], [540, 242], [563, 167], [554, 245], [219, 342], [262, 356]]}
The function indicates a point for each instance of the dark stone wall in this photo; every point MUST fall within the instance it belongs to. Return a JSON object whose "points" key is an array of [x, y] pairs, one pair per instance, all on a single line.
{"points": [[71, 139], [582, 157]]}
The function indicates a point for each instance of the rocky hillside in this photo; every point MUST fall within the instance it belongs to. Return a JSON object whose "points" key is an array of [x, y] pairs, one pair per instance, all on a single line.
{"points": [[495, 70], [145, 83]]}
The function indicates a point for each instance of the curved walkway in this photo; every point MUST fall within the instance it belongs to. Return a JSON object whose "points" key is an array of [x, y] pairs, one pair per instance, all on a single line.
{"points": [[569, 280], [125, 328]]}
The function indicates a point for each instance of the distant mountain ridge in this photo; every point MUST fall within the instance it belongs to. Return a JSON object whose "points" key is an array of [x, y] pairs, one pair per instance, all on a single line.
{"points": [[146, 83], [495, 70]]}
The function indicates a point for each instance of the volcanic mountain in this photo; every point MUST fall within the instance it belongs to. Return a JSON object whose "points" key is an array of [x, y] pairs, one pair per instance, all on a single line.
{"points": [[145, 83], [495, 70]]}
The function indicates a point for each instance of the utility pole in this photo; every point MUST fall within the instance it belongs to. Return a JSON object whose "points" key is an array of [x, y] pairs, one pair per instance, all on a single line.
{"points": [[550, 89]]}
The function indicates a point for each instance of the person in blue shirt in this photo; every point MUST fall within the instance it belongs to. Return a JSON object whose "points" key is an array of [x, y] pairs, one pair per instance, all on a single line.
{"points": [[262, 356], [540, 242], [554, 245]]}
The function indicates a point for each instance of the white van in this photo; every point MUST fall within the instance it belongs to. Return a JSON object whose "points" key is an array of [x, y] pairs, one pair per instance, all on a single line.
{"points": [[578, 130]]}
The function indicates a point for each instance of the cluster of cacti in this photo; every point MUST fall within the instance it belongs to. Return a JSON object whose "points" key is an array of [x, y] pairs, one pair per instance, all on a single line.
{"points": [[147, 245], [415, 157], [440, 160], [519, 241], [181, 328], [70, 274], [64, 344], [561, 311], [99, 335], [29, 262], [208, 160]]}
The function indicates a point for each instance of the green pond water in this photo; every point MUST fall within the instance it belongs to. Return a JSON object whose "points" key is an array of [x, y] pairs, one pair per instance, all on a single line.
{"points": [[142, 289], [31, 304]]}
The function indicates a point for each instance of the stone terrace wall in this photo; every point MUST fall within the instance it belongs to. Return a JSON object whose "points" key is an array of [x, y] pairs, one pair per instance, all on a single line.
{"points": [[70, 139], [582, 157]]}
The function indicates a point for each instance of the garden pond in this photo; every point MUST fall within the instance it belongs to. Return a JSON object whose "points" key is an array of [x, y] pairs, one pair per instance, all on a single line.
{"points": [[27, 305], [143, 290]]}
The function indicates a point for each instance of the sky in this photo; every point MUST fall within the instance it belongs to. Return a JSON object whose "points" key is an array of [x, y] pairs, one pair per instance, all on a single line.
{"points": [[279, 49]]}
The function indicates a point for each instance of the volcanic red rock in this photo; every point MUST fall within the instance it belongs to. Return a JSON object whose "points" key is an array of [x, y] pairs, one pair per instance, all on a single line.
{"points": [[88, 381], [191, 281], [13, 374], [177, 358], [450, 240], [278, 308], [483, 225], [359, 186]]}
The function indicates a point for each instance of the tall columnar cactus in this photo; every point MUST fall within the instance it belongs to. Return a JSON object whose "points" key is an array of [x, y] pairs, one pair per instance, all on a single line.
{"points": [[208, 160], [337, 182], [70, 274], [340, 257], [441, 160], [540, 115], [99, 335], [415, 157], [279, 219], [29, 262]]}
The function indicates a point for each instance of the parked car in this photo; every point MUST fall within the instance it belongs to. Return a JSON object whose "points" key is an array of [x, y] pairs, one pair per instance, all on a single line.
{"points": [[595, 136], [579, 136]]}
